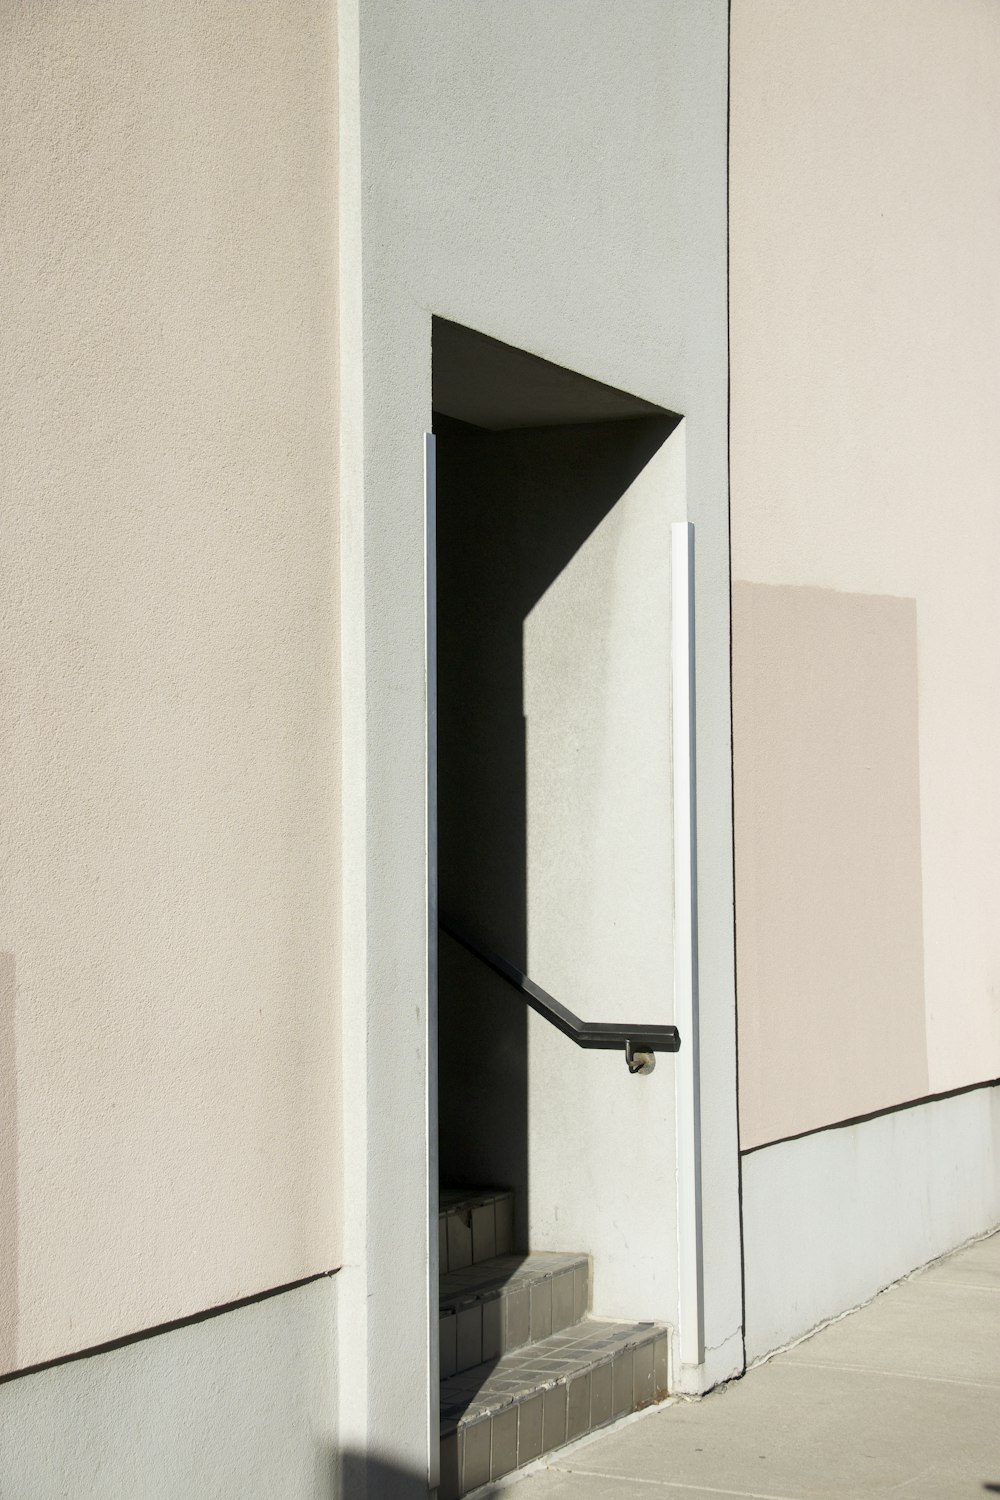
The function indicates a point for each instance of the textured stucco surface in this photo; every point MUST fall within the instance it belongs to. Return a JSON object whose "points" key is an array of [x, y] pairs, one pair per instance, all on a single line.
{"points": [[827, 806], [865, 322], [168, 629]]}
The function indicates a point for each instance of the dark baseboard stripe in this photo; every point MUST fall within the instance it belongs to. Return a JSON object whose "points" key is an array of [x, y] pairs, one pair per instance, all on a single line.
{"points": [[875, 1114], [152, 1333]]}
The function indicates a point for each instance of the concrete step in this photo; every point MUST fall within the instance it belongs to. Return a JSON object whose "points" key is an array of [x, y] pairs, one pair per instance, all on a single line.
{"points": [[474, 1224], [503, 1414], [499, 1305]]}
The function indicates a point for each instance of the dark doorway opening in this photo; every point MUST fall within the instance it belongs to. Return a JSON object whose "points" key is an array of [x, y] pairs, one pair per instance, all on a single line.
{"points": [[531, 459]]}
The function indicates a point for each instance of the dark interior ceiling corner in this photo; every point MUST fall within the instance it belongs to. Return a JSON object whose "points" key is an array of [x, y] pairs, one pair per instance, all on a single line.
{"points": [[479, 380]]}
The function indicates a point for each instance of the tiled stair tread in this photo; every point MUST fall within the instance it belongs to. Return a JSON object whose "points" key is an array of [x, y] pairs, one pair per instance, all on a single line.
{"points": [[496, 1306], [560, 1359], [524, 1369], [491, 1277], [500, 1417]]}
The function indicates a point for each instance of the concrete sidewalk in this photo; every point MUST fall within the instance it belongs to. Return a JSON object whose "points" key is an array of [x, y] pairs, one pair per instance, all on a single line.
{"points": [[901, 1399]]}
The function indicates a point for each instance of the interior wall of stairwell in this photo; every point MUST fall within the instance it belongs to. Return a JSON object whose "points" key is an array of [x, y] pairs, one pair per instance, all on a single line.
{"points": [[865, 349], [169, 992]]}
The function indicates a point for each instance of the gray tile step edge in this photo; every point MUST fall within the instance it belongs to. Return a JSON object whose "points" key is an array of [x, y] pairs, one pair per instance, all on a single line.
{"points": [[489, 1310], [500, 1434], [474, 1224]]}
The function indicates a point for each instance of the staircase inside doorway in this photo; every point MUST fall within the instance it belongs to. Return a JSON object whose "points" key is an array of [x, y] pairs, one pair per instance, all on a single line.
{"points": [[524, 1367]]}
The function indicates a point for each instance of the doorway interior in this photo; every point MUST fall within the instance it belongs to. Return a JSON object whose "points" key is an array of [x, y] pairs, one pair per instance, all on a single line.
{"points": [[554, 498]]}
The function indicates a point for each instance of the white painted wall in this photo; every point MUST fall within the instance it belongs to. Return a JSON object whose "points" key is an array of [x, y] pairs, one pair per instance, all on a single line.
{"points": [[553, 176], [597, 658], [169, 715], [832, 1218]]}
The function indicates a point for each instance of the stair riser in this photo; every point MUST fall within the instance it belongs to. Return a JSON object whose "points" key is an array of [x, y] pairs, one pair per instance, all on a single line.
{"points": [[468, 1235], [544, 1420], [514, 1317]]}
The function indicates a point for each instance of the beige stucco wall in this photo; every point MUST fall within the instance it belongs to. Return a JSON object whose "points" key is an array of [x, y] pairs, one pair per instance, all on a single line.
{"points": [[865, 325], [169, 709]]}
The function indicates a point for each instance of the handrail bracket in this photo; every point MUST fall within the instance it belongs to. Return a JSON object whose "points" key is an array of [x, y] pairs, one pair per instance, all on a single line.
{"points": [[639, 1057]]}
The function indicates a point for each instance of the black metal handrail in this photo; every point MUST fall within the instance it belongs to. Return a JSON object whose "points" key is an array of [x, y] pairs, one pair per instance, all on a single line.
{"points": [[640, 1042]]}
